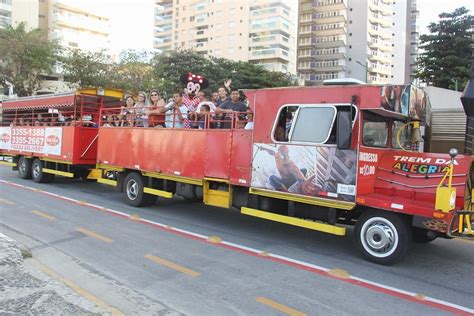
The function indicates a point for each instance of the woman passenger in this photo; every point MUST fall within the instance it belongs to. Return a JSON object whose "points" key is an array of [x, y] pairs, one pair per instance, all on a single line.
{"points": [[156, 113], [126, 112], [140, 107]]}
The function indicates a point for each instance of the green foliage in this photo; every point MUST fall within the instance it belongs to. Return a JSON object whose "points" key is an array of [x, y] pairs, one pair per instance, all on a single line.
{"points": [[86, 69], [168, 67], [446, 56], [133, 72], [25, 57]]}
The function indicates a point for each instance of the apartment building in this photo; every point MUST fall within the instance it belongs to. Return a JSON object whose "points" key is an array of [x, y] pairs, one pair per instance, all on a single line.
{"points": [[77, 24], [259, 31], [74, 23], [13, 12], [364, 39], [405, 43]]}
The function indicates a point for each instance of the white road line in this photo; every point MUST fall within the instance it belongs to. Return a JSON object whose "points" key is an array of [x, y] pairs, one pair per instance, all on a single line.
{"points": [[256, 251]]}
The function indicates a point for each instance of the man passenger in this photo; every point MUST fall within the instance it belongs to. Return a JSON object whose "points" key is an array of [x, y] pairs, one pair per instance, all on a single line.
{"points": [[176, 112], [229, 107]]}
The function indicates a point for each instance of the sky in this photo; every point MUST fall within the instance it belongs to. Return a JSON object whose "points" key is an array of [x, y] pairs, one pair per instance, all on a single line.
{"points": [[430, 10], [132, 20]]}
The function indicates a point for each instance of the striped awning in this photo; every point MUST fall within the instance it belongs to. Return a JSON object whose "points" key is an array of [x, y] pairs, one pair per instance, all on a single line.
{"points": [[40, 102]]}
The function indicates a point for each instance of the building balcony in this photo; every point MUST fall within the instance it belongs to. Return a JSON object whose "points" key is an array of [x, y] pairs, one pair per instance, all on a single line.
{"points": [[331, 19], [331, 68], [330, 56], [382, 8], [381, 45], [331, 7], [329, 32], [5, 7], [380, 58], [380, 20], [380, 32], [5, 21], [270, 53], [337, 43], [81, 24]]}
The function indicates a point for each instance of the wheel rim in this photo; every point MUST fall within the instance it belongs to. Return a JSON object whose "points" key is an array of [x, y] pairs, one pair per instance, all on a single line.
{"points": [[22, 166], [132, 190], [36, 170], [379, 237]]}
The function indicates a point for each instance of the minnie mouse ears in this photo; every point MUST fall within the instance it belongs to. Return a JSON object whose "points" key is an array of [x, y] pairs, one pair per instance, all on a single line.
{"points": [[190, 77]]}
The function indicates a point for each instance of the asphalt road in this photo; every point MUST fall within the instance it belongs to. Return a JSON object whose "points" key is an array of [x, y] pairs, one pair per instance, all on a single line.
{"points": [[163, 255]]}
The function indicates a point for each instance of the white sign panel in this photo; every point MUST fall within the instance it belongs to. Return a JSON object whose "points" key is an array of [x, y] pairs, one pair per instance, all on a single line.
{"points": [[44, 140]]}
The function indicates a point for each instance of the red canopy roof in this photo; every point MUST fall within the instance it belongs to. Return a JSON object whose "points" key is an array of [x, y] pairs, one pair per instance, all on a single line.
{"points": [[40, 102]]}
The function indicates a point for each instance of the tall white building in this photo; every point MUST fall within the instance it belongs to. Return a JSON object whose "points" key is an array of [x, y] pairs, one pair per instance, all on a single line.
{"points": [[13, 12], [77, 24], [369, 40], [259, 31]]}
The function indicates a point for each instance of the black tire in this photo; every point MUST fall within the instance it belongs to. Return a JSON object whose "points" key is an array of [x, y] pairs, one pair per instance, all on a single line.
{"points": [[383, 237], [37, 172], [421, 236], [133, 191], [24, 168]]}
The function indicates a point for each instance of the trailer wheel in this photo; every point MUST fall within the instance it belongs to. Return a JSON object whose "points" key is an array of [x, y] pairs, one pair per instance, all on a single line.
{"points": [[24, 168], [383, 238], [37, 172], [133, 191]]}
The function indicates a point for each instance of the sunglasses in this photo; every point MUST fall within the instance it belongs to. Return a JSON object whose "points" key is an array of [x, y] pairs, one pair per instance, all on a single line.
{"points": [[154, 95]]}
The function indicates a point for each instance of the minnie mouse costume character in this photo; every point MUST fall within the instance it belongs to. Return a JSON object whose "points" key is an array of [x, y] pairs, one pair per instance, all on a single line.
{"points": [[194, 84]]}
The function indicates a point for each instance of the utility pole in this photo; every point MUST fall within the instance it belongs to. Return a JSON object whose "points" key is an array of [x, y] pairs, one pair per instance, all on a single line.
{"points": [[366, 67]]}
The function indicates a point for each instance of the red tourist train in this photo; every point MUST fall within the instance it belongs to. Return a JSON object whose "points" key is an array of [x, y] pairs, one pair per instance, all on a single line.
{"points": [[321, 158]]}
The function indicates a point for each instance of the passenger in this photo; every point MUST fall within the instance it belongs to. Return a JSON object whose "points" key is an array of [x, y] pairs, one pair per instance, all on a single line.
{"points": [[202, 96], [126, 112], [177, 112], [215, 97], [156, 116], [13, 123], [141, 119], [229, 107], [110, 121], [203, 117], [54, 120], [249, 124]]}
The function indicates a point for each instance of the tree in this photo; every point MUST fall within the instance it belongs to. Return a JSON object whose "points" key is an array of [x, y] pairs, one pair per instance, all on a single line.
{"points": [[86, 69], [133, 72], [25, 57], [168, 67], [446, 58]]}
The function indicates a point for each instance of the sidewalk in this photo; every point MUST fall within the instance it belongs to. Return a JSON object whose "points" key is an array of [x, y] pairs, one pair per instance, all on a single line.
{"points": [[26, 290]]}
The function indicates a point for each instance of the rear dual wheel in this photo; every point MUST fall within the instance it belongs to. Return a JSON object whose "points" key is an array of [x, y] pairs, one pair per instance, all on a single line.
{"points": [[24, 168], [133, 191], [38, 174]]}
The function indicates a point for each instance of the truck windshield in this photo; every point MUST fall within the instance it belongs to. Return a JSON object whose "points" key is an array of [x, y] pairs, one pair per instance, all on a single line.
{"points": [[375, 130], [401, 135]]}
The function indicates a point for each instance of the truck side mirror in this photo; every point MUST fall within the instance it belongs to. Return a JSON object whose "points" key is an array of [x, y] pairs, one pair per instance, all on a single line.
{"points": [[344, 130]]}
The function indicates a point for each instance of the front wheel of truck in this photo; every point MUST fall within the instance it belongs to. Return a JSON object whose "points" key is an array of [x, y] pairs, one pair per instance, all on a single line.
{"points": [[383, 237]]}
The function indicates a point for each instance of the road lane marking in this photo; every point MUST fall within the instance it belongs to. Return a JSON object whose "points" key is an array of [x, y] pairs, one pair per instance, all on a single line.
{"points": [[7, 202], [339, 273], [79, 290], [44, 215], [214, 239], [172, 265], [301, 265], [94, 235], [280, 307]]}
